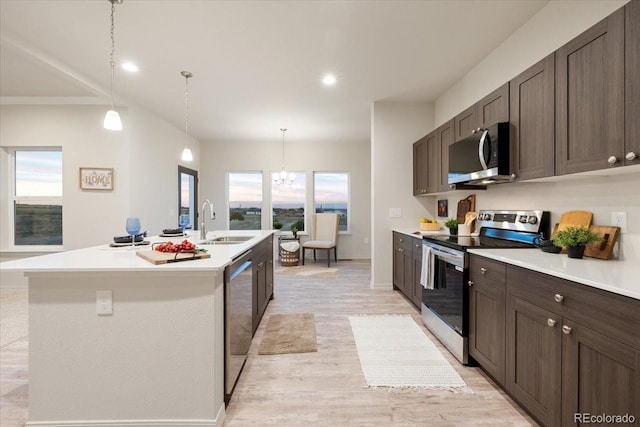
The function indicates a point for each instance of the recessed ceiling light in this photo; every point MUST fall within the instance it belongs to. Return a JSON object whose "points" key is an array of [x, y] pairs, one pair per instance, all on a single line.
{"points": [[329, 80], [130, 67]]}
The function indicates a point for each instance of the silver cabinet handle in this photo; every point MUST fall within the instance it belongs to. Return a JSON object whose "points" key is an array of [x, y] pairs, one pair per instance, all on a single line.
{"points": [[558, 298], [470, 283], [612, 160], [630, 155], [551, 322], [400, 250], [483, 270], [401, 240], [566, 330], [417, 246]]}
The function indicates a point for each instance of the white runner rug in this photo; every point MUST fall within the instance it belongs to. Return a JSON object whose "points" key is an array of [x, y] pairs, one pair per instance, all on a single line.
{"points": [[395, 352]]}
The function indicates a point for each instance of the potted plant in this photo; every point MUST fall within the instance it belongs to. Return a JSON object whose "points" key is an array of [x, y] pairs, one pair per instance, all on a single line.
{"points": [[294, 230], [575, 239], [452, 225], [277, 224]]}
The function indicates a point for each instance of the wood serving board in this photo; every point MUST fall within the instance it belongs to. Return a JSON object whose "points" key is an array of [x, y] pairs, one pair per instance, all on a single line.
{"points": [[604, 248], [574, 219], [465, 205], [157, 257]]}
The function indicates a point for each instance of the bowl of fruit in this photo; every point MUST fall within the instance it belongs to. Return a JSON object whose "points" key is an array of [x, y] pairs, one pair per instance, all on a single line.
{"points": [[427, 224]]}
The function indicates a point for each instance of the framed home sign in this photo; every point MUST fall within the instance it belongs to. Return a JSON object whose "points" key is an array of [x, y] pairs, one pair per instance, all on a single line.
{"points": [[96, 178]]}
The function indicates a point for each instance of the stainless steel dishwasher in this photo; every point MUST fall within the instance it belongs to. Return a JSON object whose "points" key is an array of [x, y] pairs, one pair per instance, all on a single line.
{"points": [[238, 295]]}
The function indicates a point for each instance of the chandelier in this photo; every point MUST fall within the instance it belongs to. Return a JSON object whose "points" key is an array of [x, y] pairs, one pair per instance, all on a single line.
{"points": [[284, 178]]}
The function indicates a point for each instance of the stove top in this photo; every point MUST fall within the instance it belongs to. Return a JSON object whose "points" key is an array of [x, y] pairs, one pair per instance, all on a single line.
{"points": [[499, 229]]}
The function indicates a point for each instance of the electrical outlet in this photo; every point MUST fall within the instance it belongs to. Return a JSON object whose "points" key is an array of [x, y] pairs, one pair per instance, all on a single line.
{"points": [[104, 302], [619, 219]]}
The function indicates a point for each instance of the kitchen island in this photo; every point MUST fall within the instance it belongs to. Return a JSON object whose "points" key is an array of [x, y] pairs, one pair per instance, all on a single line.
{"points": [[156, 359]]}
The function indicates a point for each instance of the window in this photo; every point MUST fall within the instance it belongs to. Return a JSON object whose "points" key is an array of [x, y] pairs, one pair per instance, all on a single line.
{"points": [[37, 197], [187, 197], [287, 203], [331, 194], [245, 200]]}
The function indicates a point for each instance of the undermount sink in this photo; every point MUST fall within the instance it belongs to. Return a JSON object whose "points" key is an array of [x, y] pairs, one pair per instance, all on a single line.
{"points": [[227, 240]]}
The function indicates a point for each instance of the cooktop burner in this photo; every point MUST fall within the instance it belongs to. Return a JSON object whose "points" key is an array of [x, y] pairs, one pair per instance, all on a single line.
{"points": [[500, 229]]}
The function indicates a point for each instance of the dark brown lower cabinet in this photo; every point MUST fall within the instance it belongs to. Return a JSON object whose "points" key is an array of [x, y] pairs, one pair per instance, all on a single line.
{"points": [[487, 315], [407, 266], [534, 359], [570, 350], [599, 375], [262, 259]]}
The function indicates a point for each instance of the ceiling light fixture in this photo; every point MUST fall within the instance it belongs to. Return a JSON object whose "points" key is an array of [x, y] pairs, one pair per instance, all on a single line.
{"points": [[112, 118], [329, 80], [187, 155], [284, 178], [130, 67]]}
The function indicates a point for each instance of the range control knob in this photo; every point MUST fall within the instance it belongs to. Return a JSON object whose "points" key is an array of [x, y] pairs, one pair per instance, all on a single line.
{"points": [[533, 219], [488, 217], [522, 218]]}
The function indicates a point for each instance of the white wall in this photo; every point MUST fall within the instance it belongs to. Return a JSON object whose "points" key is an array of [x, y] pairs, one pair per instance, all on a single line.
{"points": [[218, 158], [395, 127], [144, 157]]}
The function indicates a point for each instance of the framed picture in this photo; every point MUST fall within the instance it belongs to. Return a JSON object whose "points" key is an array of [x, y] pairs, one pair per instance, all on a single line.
{"points": [[443, 207], [96, 178]]}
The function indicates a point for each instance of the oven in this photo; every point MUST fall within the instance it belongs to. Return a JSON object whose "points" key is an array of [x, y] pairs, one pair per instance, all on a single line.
{"points": [[445, 297], [445, 272]]}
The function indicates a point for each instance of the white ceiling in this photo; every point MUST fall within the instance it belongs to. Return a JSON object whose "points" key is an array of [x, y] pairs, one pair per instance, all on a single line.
{"points": [[257, 65]]}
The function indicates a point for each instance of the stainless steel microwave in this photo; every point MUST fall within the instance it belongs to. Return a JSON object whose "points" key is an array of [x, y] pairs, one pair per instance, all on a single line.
{"points": [[482, 157]]}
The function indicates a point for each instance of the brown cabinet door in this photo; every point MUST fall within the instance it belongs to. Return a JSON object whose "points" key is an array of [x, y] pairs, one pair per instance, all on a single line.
{"points": [[532, 130], [590, 98], [445, 137], [426, 166], [399, 261], [599, 375], [416, 264], [487, 315], [632, 82], [533, 365], [420, 163], [465, 123], [494, 107]]}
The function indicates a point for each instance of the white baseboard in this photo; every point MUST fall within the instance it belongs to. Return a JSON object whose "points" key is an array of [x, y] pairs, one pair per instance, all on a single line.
{"points": [[218, 422], [381, 286]]}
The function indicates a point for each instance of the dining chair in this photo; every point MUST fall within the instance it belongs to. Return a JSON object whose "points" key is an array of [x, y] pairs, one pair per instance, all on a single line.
{"points": [[324, 236]]}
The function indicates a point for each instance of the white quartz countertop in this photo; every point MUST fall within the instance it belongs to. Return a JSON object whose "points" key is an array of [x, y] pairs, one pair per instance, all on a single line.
{"points": [[123, 259], [620, 277], [417, 233]]}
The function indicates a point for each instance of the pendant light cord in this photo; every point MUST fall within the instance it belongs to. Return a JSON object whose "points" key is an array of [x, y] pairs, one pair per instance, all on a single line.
{"points": [[186, 104], [113, 48], [283, 131]]}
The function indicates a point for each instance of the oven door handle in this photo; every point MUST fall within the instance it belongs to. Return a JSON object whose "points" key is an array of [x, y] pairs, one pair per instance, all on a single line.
{"points": [[455, 259]]}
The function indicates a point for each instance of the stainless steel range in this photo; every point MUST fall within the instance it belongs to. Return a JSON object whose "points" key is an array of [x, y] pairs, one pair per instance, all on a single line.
{"points": [[445, 297]]}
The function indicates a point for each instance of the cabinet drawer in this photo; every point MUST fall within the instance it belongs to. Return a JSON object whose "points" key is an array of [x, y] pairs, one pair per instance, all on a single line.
{"points": [[486, 272], [615, 316]]}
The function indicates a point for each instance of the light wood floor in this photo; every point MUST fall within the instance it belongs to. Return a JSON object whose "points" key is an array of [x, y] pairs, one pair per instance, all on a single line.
{"points": [[323, 388]]}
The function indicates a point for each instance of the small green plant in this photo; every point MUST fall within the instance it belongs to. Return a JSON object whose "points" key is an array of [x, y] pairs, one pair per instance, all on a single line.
{"points": [[452, 223], [277, 224], [574, 236], [294, 230]]}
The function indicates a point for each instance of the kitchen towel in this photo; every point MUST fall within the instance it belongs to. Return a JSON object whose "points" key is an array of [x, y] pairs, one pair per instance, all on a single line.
{"points": [[426, 275]]}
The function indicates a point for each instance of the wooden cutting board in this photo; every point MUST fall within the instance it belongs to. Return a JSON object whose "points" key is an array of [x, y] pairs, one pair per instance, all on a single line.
{"points": [[604, 248], [574, 219], [465, 205], [157, 257]]}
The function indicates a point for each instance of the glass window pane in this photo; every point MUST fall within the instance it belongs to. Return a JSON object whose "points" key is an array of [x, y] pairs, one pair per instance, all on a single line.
{"points": [[38, 224], [245, 200], [38, 173], [331, 194], [288, 202], [187, 189]]}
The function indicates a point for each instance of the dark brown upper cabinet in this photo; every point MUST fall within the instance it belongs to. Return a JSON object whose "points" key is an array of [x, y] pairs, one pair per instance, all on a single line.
{"points": [[494, 107], [465, 123], [590, 98], [632, 83], [426, 166], [532, 130], [445, 137]]}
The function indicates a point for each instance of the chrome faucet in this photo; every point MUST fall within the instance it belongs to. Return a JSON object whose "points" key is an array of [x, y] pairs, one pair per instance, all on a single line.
{"points": [[203, 231]]}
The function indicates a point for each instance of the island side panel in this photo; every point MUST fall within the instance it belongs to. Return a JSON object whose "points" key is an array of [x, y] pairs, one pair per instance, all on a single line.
{"points": [[159, 356]]}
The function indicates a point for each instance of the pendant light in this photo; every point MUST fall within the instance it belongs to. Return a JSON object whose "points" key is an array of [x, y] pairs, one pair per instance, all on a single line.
{"points": [[187, 155], [284, 178], [112, 118]]}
